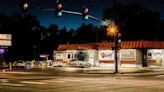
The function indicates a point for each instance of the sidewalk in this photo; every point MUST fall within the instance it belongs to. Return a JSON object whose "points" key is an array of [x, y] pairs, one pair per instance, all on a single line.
{"points": [[123, 71], [92, 70]]}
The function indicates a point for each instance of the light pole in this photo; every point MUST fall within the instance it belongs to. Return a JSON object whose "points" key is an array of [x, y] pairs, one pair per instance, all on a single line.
{"points": [[112, 30], [115, 53]]}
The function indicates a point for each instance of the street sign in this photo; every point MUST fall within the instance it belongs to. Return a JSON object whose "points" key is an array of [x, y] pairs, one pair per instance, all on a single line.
{"points": [[107, 22], [5, 37], [104, 23], [5, 43]]}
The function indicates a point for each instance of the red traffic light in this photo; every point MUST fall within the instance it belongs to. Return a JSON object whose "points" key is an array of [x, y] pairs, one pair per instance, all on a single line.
{"points": [[119, 38], [24, 5], [59, 6], [85, 13], [86, 10], [118, 35]]}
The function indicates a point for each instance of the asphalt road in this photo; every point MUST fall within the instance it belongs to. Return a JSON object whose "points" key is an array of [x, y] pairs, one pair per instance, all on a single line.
{"points": [[45, 82]]}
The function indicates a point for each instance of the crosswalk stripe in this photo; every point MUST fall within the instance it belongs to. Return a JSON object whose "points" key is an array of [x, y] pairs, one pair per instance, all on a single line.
{"points": [[32, 82], [12, 84], [4, 80]]}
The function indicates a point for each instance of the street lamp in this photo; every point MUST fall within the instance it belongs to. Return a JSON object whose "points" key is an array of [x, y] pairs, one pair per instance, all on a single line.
{"points": [[112, 30]]}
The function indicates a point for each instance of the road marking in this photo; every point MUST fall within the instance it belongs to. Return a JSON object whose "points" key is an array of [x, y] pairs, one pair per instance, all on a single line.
{"points": [[32, 82], [53, 81], [12, 84], [4, 80], [159, 76], [68, 80]]}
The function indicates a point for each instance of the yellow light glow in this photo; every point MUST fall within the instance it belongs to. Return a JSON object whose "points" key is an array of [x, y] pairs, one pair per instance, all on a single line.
{"points": [[112, 30], [25, 6]]}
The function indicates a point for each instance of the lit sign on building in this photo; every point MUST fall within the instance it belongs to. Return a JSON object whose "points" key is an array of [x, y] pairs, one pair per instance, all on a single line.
{"points": [[5, 43], [106, 55], [5, 37]]}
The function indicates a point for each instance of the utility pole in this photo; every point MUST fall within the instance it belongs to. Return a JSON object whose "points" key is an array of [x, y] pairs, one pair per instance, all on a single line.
{"points": [[112, 30], [115, 53]]}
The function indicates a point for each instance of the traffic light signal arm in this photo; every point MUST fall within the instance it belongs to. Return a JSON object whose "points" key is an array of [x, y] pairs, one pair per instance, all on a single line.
{"points": [[63, 11], [69, 12], [79, 13]]}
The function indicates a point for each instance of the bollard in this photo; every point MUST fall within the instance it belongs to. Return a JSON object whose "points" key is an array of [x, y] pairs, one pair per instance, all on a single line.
{"points": [[10, 65]]}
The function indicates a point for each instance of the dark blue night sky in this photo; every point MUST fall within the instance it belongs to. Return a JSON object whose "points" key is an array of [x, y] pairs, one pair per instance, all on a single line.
{"points": [[96, 8]]}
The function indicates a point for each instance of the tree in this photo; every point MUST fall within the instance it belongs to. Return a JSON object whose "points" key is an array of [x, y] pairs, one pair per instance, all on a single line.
{"points": [[85, 34], [135, 22], [23, 35]]}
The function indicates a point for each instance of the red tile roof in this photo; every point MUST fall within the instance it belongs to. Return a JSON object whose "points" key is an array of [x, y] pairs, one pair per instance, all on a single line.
{"points": [[109, 45]]}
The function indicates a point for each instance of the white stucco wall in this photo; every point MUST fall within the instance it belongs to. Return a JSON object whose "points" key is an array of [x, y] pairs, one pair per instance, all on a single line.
{"points": [[128, 54], [91, 55], [106, 55], [156, 54]]}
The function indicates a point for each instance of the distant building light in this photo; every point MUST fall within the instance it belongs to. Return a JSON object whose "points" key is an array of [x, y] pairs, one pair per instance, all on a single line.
{"points": [[2, 51]]}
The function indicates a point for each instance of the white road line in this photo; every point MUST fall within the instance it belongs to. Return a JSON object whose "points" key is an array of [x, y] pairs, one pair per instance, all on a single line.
{"points": [[68, 80], [32, 82], [55, 81], [4, 80], [12, 84]]}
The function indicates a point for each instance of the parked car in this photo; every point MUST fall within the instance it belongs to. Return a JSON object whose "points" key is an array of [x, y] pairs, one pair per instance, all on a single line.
{"points": [[42, 63], [20, 64], [81, 64], [58, 64], [4, 66]]}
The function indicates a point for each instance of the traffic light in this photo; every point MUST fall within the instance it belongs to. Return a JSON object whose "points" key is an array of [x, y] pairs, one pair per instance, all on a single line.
{"points": [[85, 13], [24, 6], [58, 9], [118, 40]]}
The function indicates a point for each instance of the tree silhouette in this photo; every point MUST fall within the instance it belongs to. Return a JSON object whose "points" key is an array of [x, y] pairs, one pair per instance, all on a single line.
{"points": [[135, 21], [21, 28], [29, 37], [85, 34]]}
